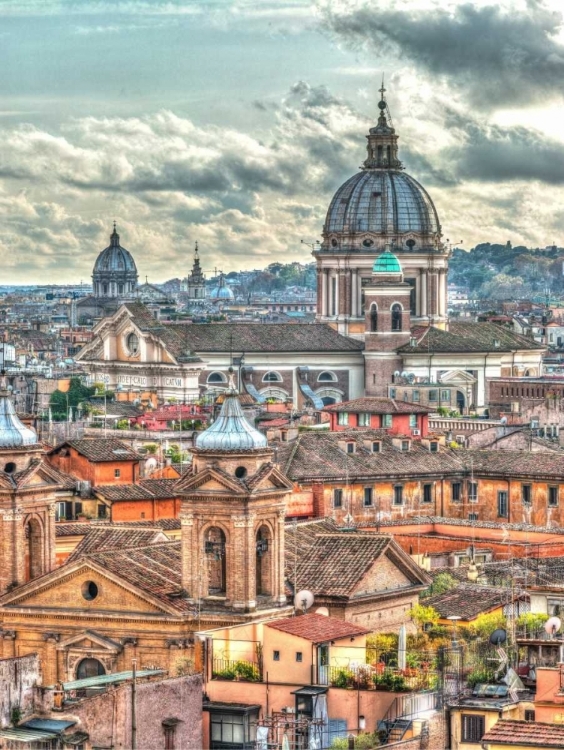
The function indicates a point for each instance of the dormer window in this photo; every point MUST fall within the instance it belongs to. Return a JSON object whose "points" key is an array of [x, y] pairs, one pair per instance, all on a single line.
{"points": [[376, 446], [405, 445], [350, 447], [434, 446]]}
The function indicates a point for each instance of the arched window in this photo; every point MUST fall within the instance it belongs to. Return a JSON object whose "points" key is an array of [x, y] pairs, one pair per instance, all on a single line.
{"points": [[388, 154], [34, 551], [373, 318], [396, 317], [272, 377], [214, 548], [216, 377], [327, 377], [264, 561], [89, 668], [380, 151], [133, 343]]}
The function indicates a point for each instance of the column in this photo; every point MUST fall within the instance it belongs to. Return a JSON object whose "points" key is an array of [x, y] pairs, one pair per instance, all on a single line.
{"points": [[337, 296], [325, 293], [418, 296], [443, 293], [424, 307], [319, 288], [354, 293]]}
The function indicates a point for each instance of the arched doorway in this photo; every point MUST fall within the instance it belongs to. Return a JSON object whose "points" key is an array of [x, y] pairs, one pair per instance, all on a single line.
{"points": [[460, 401], [34, 557], [89, 668], [214, 548], [263, 561]]}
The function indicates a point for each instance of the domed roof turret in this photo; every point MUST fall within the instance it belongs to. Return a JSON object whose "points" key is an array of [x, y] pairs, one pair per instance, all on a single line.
{"points": [[13, 433], [231, 431], [115, 257], [222, 291], [387, 263]]}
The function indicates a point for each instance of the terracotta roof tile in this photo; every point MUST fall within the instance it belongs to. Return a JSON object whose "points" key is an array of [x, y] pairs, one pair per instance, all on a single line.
{"points": [[468, 337], [376, 405], [317, 628], [525, 733], [468, 601], [101, 449], [102, 538]]}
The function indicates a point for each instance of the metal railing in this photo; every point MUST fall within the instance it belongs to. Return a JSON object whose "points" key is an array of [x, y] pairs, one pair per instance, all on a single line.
{"points": [[236, 669], [379, 677]]}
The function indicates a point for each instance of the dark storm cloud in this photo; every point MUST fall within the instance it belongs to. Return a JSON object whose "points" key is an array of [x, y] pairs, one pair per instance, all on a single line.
{"points": [[497, 57], [492, 153]]}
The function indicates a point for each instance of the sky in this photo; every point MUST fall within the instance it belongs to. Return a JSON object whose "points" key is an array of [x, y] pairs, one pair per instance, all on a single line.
{"points": [[233, 122]]}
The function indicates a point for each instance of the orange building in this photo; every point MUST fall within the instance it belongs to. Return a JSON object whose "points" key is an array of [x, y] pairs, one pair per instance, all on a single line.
{"points": [[98, 461]]}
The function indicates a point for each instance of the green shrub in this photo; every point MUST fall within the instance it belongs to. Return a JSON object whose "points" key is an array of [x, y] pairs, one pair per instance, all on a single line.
{"points": [[480, 675], [246, 671], [363, 741]]}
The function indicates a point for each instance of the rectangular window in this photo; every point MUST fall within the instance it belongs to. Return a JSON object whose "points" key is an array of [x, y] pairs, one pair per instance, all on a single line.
{"points": [[376, 447], [433, 394], [368, 496], [299, 656], [434, 447], [337, 498], [343, 418], [364, 420], [61, 511], [445, 396], [350, 447], [392, 392], [502, 503], [386, 420], [415, 396], [102, 511], [455, 492], [413, 420], [472, 516], [553, 496], [276, 656], [473, 728], [427, 493], [526, 494], [529, 714], [473, 491], [398, 494], [117, 473]]}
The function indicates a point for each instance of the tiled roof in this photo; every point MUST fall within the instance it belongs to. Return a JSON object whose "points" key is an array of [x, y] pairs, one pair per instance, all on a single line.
{"points": [[155, 569], [100, 538], [165, 488], [79, 529], [335, 563], [122, 492], [300, 537], [101, 449], [468, 601], [525, 733], [317, 628], [378, 406], [321, 455], [258, 337], [468, 337], [116, 408]]}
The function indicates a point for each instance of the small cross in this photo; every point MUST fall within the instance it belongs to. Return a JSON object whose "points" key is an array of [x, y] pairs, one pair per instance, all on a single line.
{"points": [[382, 90]]}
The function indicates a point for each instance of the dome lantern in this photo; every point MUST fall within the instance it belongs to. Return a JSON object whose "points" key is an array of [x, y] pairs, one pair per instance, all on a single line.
{"points": [[382, 144]]}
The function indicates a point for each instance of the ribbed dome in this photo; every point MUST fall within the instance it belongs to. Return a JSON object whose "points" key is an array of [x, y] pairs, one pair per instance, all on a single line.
{"points": [[231, 431], [222, 291], [13, 433], [115, 258], [382, 202], [386, 263]]}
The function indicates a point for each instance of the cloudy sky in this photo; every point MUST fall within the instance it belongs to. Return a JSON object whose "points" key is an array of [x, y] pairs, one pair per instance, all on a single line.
{"points": [[232, 122]]}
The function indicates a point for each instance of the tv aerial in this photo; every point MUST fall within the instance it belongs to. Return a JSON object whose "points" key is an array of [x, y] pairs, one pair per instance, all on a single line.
{"points": [[303, 600]]}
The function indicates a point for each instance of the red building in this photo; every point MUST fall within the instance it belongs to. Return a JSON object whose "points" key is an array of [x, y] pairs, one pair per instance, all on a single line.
{"points": [[170, 417], [397, 417]]}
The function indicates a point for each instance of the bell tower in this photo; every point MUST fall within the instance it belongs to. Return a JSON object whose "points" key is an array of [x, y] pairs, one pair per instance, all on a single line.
{"points": [[232, 517], [387, 322], [27, 501]]}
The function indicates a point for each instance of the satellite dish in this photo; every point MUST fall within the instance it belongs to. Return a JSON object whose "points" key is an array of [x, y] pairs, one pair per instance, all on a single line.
{"points": [[396, 373], [411, 377], [503, 420], [151, 464], [404, 373], [303, 600], [322, 611], [553, 625], [498, 637]]}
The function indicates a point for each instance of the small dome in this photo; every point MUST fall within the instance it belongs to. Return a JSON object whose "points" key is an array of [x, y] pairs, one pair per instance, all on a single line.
{"points": [[222, 291], [387, 263], [13, 433], [231, 431]]}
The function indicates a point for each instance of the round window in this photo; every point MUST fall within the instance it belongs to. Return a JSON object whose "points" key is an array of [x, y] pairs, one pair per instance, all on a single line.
{"points": [[367, 242], [240, 472], [334, 242], [410, 244], [133, 343], [89, 590], [10, 467]]}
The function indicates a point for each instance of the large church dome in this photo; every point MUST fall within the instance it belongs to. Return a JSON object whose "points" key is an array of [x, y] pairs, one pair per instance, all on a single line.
{"points": [[381, 202], [381, 205], [115, 273]]}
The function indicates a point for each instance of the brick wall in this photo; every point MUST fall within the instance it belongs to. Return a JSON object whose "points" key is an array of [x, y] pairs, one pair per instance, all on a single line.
{"points": [[17, 679]]}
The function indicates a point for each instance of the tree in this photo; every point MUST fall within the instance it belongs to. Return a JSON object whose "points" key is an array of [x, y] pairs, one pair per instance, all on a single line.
{"points": [[442, 583], [424, 616], [60, 401]]}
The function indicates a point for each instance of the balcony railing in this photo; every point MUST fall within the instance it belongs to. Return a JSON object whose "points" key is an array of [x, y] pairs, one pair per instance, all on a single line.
{"points": [[379, 677]]}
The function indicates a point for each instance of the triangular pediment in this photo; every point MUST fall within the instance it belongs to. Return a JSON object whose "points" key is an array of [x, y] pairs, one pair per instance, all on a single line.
{"points": [[65, 589], [89, 639], [210, 480], [457, 377]]}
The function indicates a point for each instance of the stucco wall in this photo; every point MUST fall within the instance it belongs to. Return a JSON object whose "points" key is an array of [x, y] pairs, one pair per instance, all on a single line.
{"points": [[17, 679]]}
